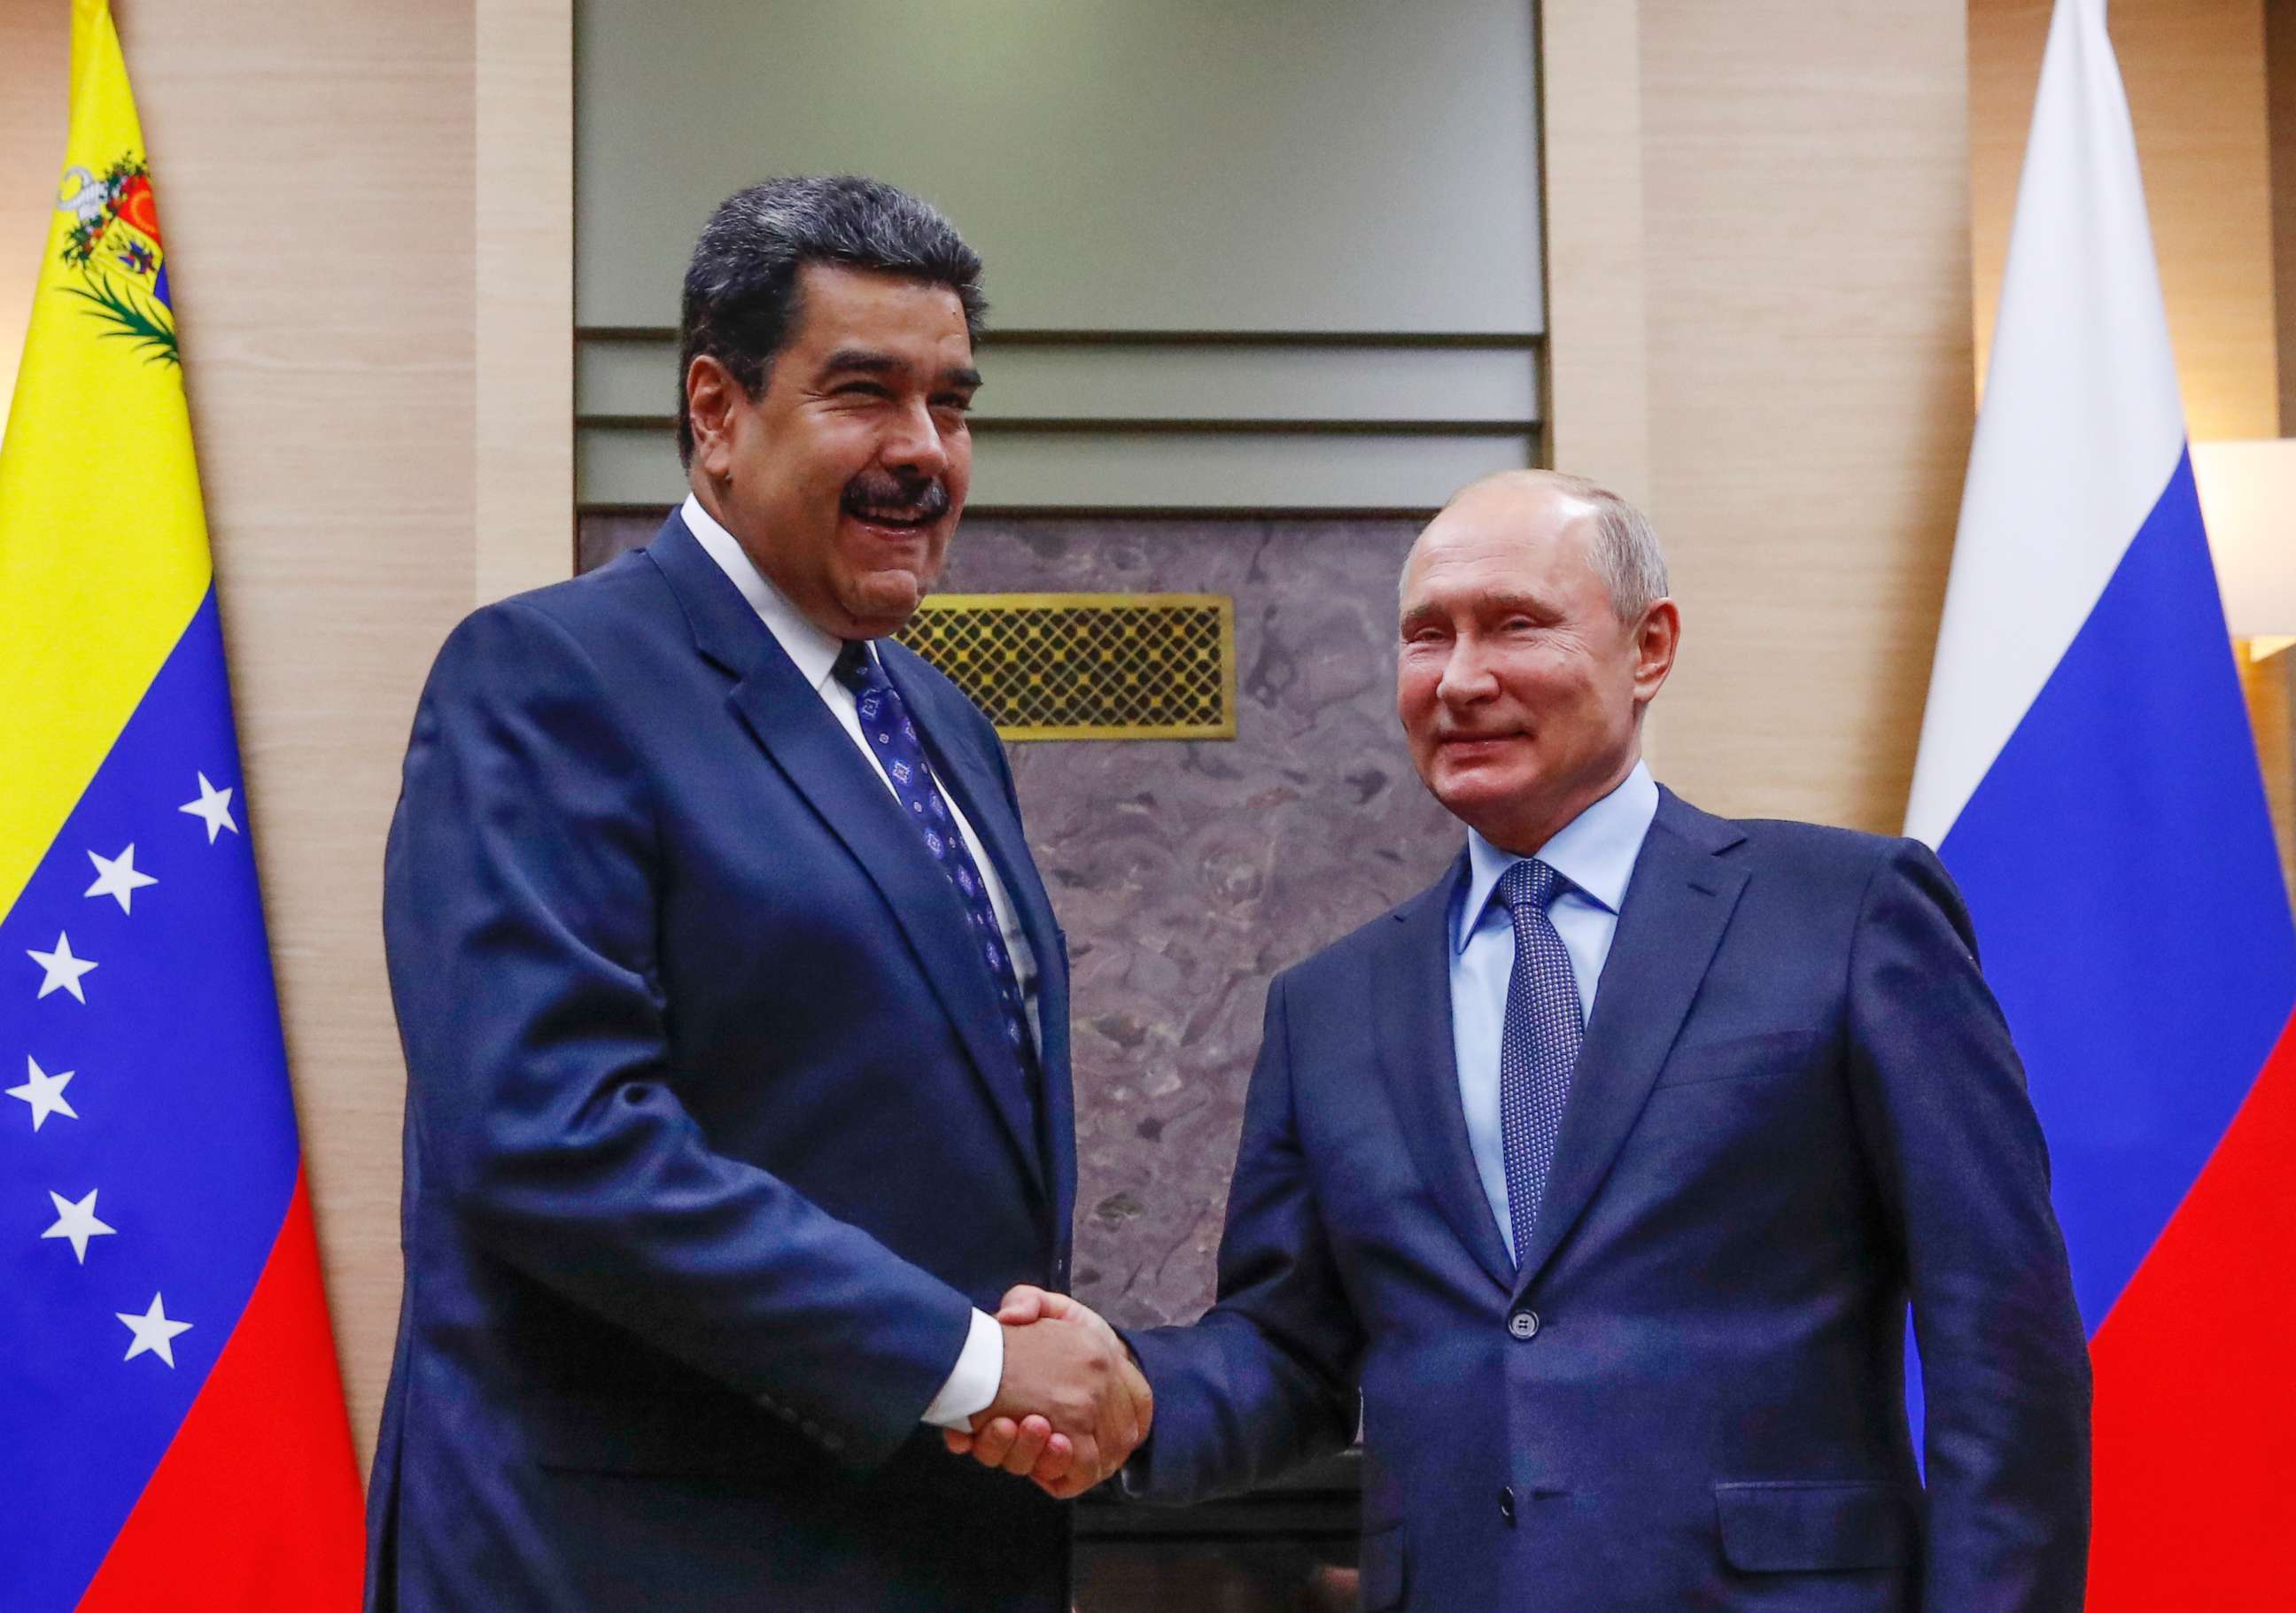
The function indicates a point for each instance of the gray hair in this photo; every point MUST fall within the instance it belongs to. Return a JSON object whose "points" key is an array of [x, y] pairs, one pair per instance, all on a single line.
{"points": [[1624, 550], [740, 300]]}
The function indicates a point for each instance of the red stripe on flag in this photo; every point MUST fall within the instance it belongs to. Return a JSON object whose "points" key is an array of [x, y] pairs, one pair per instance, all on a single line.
{"points": [[2195, 1427], [256, 1502]]}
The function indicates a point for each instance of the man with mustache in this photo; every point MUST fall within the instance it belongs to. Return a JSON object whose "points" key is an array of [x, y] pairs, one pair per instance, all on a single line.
{"points": [[1606, 1168], [736, 1014]]}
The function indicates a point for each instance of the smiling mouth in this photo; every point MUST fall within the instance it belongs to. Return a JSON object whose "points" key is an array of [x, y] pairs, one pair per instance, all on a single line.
{"points": [[894, 520]]}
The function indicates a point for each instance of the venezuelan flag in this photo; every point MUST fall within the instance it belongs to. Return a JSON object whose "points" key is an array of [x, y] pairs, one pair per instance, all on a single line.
{"points": [[2088, 773], [170, 1413]]}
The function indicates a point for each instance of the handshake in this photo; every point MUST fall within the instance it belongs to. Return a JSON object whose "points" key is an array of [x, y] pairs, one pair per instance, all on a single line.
{"points": [[1072, 1406]]}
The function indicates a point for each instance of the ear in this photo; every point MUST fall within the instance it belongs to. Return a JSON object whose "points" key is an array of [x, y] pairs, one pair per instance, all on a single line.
{"points": [[1656, 639], [712, 396]]}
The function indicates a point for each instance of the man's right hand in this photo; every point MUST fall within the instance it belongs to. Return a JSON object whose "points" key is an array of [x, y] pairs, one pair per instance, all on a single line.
{"points": [[1070, 1407]]}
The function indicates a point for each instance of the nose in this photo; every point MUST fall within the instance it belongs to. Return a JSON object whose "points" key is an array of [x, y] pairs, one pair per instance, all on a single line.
{"points": [[913, 442], [1467, 676]]}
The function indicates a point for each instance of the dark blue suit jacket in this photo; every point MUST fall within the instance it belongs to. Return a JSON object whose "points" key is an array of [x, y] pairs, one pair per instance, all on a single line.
{"points": [[1797, 1109], [712, 1135]]}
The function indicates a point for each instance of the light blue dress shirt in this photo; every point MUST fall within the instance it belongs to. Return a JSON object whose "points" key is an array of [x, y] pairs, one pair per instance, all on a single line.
{"points": [[1595, 853]]}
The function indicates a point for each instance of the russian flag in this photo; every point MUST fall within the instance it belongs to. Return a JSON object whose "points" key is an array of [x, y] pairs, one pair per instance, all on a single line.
{"points": [[2088, 776]]}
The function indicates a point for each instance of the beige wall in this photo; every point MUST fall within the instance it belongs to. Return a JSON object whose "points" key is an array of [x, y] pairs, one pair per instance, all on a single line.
{"points": [[1764, 323], [34, 52], [320, 170], [315, 175], [2195, 74]]}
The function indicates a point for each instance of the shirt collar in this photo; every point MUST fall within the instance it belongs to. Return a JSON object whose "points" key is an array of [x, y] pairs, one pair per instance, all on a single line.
{"points": [[813, 651], [1594, 851]]}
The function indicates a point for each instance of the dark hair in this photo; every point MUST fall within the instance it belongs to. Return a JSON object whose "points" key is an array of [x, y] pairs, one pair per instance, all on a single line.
{"points": [[740, 302]]}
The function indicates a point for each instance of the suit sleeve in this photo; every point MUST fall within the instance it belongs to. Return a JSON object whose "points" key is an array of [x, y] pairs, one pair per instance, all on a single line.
{"points": [[518, 914], [1964, 1174], [1266, 1379]]}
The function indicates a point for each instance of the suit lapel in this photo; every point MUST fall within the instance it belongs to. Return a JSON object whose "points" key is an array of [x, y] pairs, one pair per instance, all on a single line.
{"points": [[1410, 991], [980, 795], [1676, 906], [818, 757]]}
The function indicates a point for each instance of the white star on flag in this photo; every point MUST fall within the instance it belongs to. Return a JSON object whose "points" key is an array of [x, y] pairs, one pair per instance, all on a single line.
{"points": [[45, 1092], [118, 876], [154, 1332], [77, 1222], [213, 809], [64, 970]]}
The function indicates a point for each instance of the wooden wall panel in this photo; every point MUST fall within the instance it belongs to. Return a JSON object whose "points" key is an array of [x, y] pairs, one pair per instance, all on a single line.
{"points": [[524, 243], [1598, 339], [2280, 109], [1806, 254], [34, 57], [2195, 72], [315, 175]]}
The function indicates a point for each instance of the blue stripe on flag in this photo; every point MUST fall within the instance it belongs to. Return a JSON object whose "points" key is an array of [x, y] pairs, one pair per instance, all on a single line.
{"points": [[184, 1127], [2119, 865]]}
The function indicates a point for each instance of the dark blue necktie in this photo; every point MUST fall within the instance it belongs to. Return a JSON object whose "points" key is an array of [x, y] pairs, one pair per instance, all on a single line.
{"points": [[1538, 1044], [885, 723]]}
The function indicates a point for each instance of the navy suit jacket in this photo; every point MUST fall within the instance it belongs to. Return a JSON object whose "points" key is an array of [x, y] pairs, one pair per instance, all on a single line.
{"points": [[713, 1138], [1797, 1109]]}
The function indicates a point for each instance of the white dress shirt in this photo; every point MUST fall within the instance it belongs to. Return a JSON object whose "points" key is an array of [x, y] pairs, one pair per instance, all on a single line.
{"points": [[1595, 853], [980, 1367]]}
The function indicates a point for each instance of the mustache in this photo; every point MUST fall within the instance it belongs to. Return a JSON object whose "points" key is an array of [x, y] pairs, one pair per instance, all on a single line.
{"points": [[923, 498]]}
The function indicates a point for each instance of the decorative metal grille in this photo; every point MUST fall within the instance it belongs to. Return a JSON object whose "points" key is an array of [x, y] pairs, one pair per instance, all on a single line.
{"points": [[1088, 665]]}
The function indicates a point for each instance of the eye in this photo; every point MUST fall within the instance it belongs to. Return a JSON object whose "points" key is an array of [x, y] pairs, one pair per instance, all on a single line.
{"points": [[860, 389]]}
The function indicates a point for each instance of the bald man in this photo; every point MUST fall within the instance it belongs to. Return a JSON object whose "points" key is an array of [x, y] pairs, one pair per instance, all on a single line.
{"points": [[1607, 1168]]}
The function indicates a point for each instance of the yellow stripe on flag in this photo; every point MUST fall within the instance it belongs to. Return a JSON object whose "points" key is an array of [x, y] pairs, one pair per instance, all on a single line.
{"points": [[103, 550]]}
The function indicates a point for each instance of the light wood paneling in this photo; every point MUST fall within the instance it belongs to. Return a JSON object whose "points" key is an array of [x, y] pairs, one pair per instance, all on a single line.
{"points": [[524, 241], [2280, 110], [2270, 687], [2195, 74], [1806, 256], [1756, 275], [34, 57], [1598, 346], [314, 171]]}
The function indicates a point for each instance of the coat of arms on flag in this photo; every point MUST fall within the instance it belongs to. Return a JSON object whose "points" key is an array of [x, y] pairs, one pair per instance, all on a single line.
{"points": [[114, 243]]}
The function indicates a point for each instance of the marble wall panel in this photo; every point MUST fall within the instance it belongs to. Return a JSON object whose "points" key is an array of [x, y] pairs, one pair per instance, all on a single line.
{"points": [[1188, 873]]}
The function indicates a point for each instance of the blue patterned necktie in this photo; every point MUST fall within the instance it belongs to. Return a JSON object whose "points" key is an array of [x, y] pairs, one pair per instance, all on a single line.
{"points": [[885, 723], [1538, 1043]]}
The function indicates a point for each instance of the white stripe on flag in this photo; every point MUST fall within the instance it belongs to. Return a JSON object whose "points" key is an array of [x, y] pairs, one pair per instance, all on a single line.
{"points": [[2081, 428]]}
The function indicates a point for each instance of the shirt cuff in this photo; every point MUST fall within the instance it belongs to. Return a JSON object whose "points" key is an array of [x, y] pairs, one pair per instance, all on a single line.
{"points": [[971, 1386]]}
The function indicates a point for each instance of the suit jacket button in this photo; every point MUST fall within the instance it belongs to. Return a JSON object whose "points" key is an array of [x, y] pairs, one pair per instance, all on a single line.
{"points": [[1506, 1504], [1523, 1324]]}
